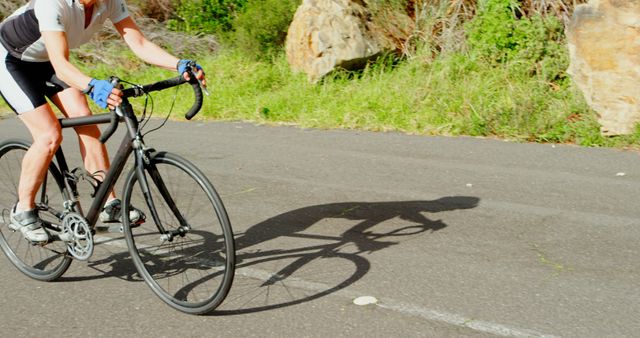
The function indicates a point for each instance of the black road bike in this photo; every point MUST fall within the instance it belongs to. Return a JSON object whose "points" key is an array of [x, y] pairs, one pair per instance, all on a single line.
{"points": [[184, 250]]}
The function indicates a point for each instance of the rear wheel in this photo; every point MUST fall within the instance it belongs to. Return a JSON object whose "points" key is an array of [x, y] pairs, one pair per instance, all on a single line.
{"points": [[42, 262], [185, 252]]}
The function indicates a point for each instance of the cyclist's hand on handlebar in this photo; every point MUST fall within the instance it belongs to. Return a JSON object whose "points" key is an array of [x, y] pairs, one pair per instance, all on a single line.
{"points": [[185, 65], [115, 98], [104, 94]]}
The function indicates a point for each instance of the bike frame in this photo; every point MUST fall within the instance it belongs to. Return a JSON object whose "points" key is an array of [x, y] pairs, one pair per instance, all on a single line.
{"points": [[132, 142]]}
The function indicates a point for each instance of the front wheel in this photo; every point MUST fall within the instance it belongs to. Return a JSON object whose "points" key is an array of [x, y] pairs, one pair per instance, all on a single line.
{"points": [[185, 249]]}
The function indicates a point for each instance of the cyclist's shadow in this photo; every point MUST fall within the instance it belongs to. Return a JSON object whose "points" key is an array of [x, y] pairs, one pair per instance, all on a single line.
{"points": [[338, 261]]}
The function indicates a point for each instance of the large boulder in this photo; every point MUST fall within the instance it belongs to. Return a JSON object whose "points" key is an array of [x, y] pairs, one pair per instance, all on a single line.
{"points": [[604, 45], [326, 34]]}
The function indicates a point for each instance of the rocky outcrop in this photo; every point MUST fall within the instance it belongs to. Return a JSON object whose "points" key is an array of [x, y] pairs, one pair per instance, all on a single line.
{"points": [[326, 34], [604, 45]]}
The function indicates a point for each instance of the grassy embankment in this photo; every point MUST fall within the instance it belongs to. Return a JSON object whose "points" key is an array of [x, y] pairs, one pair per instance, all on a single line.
{"points": [[453, 95]]}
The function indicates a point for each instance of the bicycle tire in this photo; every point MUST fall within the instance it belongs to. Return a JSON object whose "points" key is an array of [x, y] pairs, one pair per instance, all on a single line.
{"points": [[194, 273], [41, 262]]}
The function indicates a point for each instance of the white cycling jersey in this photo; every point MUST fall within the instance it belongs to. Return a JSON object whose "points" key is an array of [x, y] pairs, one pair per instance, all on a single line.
{"points": [[27, 77], [20, 33]]}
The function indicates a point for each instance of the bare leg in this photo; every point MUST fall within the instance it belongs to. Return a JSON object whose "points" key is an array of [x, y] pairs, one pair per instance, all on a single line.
{"points": [[45, 130], [73, 103]]}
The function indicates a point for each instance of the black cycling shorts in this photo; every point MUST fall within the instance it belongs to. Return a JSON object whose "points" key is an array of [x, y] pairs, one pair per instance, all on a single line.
{"points": [[26, 85]]}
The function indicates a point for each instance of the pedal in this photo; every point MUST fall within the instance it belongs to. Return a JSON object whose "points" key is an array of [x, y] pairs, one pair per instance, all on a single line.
{"points": [[111, 229]]}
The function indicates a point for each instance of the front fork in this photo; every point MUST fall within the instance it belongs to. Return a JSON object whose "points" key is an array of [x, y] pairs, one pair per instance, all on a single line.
{"points": [[143, 166]]}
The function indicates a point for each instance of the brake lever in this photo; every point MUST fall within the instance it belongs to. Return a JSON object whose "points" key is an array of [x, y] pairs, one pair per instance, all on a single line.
{"points": [[194, 66], [116, 84], [204, 88]]}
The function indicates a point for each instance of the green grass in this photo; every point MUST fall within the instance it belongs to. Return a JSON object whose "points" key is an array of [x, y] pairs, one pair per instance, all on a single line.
{"points": [[452, 95]]}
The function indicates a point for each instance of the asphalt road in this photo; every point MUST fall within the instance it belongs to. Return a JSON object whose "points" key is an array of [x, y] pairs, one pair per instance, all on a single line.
{"points": [[453, 236]]}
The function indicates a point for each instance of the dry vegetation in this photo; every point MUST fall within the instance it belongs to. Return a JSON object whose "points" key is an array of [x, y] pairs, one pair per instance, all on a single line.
{"points": [[439, 23], [149, 16], [8, 6]]}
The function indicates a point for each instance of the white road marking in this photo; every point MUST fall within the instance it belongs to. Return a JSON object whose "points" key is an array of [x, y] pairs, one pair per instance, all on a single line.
{"points": [[406, 309]]}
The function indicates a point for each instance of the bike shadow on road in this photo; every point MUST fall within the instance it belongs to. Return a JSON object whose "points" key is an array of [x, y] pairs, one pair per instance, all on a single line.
{"points": [[315, 257], [107, 262]]}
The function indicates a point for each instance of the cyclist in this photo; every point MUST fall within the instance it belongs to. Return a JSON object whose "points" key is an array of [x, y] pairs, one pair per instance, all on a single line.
{"points": [[34, 65]]}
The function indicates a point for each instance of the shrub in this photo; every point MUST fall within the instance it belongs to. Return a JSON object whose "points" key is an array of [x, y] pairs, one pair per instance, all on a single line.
{"points": [[500, 33], [206, 16], [263, 25]]}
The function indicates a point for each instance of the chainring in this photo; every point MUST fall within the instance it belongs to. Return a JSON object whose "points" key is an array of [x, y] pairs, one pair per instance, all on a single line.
{"points": [[77, 234]]}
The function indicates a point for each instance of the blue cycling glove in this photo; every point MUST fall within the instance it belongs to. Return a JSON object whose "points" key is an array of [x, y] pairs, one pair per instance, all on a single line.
{"points": [[100, 91], [182, 66]]}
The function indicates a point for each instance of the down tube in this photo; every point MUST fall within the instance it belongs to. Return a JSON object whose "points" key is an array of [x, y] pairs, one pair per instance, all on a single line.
{"points": [[119, 162]]}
